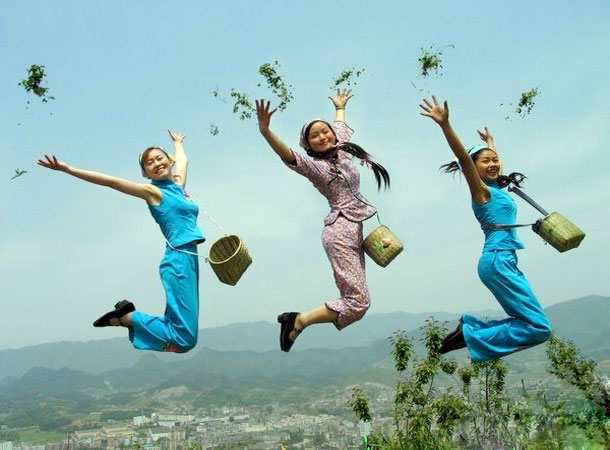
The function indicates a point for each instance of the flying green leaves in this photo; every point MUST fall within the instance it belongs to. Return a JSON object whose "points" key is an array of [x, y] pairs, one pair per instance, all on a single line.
{"points": [[526, 102], [33, 83], [276, 84], [431, 60], [18, 173], [242, 106], [347, 78]]}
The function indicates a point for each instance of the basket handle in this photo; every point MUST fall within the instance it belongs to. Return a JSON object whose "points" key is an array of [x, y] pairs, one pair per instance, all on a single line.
{"points": [[214, 222], [528, 199]]}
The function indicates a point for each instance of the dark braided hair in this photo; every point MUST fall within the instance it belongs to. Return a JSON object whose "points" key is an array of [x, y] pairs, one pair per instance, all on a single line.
{"points": [[515, 178], [379, 171]]}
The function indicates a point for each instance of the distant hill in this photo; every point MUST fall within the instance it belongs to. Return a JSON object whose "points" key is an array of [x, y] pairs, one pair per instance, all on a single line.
{"points": [[111, 354], [207, 375], [583, 320]]}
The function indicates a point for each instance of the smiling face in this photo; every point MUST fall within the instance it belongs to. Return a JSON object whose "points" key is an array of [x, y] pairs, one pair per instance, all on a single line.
{"points": [[321, 137], [488, 165], [156, 164]]}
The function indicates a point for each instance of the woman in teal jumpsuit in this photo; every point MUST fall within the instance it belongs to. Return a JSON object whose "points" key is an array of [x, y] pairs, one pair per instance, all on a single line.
{"points": [[176, 214], [527, 324]]}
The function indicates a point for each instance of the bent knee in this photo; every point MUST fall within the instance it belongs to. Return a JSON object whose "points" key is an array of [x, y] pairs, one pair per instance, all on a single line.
{"points": [[542, 333], [188, 345]]}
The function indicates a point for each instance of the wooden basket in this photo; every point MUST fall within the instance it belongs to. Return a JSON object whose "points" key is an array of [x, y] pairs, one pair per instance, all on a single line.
{"points": [[559, 232], [229, 259], [374, 247]]}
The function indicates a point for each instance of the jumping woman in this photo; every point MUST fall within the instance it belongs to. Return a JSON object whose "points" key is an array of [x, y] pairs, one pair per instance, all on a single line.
{"points": [[332, 171], [527, 325], [176, 214]]}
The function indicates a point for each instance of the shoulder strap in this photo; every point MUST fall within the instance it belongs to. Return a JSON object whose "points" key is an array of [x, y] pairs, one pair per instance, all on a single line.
{"points": [[528, 199], [498, 226]]}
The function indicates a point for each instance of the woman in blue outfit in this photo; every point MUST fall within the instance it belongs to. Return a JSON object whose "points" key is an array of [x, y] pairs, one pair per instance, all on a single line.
{"points": [[176, 214], [527, 325]]}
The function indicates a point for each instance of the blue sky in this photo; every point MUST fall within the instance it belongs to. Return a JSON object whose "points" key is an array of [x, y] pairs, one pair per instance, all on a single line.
{"points": [[123, 72]]}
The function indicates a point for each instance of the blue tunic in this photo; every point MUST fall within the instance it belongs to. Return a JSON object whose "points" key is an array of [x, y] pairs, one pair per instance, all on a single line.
{"points": [[176, 214], [500, 209], [177, 329], [527, 324]]}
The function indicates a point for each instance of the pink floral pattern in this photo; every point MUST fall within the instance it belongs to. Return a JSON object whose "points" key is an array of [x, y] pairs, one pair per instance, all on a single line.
{"points": [[338, 180], [342, 242]]}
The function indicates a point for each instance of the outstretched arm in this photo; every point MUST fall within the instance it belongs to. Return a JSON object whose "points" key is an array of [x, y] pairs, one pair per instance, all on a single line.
{"points": [[147, 192], [264, 119], [340, 101], [440, 114], [181, 161]]}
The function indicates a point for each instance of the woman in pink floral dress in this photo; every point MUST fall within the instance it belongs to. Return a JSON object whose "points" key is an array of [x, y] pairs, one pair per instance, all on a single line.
{"points": [[334, 174]]}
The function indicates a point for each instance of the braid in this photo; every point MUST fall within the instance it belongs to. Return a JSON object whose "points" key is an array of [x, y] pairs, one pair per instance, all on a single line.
{"points": [[380, 172], [451, 167], [515, 178]]}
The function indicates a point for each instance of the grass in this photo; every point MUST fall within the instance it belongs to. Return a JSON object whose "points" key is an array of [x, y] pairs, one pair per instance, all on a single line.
{"points": [[34, 435]]}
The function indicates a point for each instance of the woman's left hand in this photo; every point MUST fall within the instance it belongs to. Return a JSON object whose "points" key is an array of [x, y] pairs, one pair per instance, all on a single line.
{"points": [[176, 137], [485, 136], [341, 99]]}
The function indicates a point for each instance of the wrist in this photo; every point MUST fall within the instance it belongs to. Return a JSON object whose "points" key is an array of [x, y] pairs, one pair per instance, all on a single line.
{"points": [[337, 108]]}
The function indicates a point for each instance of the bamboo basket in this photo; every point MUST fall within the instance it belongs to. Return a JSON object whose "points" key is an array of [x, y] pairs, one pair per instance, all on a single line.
{"points": [[559, 232], [373, 246], [229, 259]]}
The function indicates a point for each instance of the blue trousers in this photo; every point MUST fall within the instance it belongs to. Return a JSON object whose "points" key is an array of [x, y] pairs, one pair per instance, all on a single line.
{"points": [[176, 330], [526, 326]]}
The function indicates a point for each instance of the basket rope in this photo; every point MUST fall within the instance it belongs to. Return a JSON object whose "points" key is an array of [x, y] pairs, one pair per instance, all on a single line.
{"points": [[527, 198], [205, 258]]}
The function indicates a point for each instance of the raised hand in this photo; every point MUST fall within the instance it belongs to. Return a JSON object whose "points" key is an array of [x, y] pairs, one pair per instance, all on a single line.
{"points": [[53, 163], [341, 99], [263, 114], [438, 113], [485, 136], [176, 137]]}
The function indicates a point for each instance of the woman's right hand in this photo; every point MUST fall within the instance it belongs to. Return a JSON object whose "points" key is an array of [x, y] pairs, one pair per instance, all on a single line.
{"points": [[53, 163], [263, 114], [438, 113]]}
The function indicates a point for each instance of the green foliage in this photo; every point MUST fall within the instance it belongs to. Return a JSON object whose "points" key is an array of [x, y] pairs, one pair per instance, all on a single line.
{"points": [[402, 349], [488, 403], [32, 83], [431, 60], [276, 84], [8, 435], [242, 105], [421, 419], [18, 173], [347, 77], [482, 414], [45, 417], [526, 102], [214, 130], [360, 405], [570, 366]]}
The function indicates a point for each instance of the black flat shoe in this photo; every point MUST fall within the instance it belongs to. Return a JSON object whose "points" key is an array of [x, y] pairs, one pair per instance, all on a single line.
{"points": [[454, 340], [457, 330], [120, 309], [286, 321]]}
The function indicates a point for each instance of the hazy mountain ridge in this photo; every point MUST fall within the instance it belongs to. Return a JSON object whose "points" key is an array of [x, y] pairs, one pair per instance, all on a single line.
{"points": [[209, 376], [583, 320], [112, 354]]}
